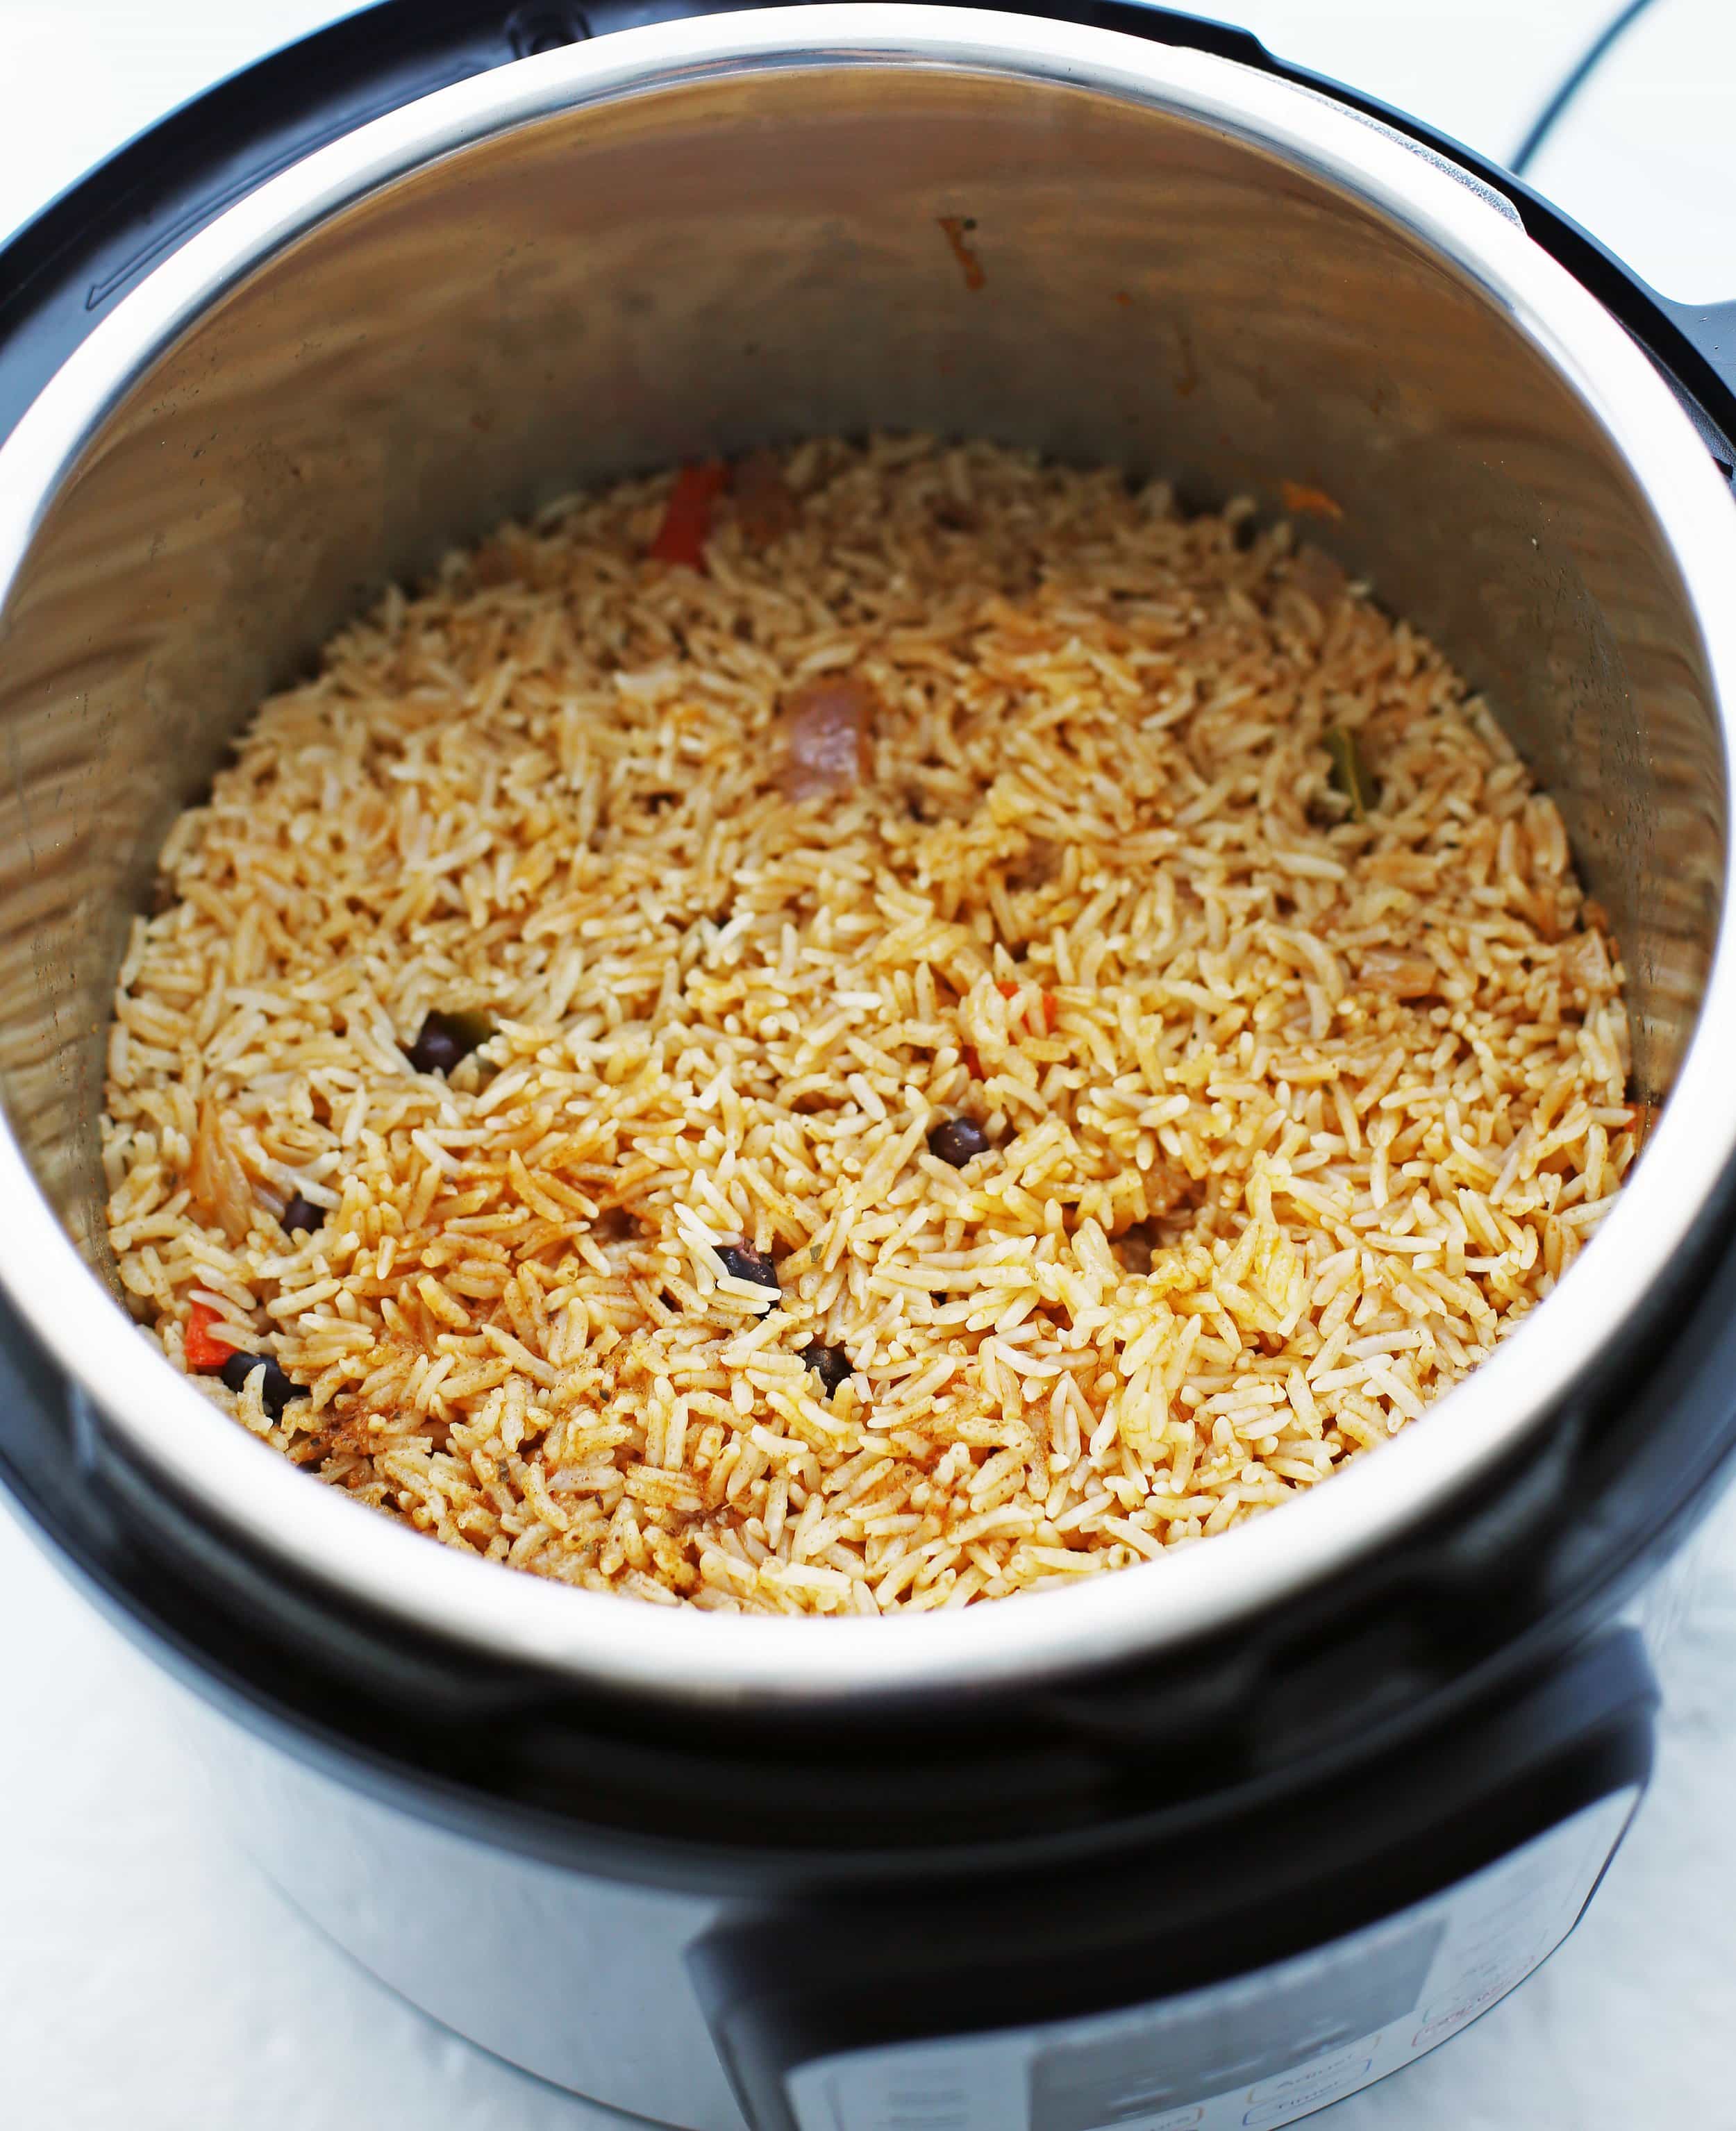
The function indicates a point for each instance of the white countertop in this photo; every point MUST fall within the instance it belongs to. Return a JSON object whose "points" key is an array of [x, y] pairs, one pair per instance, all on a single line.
{"points": [[150, 1981]]}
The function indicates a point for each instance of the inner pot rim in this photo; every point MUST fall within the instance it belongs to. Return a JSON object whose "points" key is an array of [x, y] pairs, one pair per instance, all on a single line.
{"points": [[158, 1417]]}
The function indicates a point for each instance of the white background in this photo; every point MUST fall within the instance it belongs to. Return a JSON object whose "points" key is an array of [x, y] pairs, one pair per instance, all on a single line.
{"points": [[149, 1981]]}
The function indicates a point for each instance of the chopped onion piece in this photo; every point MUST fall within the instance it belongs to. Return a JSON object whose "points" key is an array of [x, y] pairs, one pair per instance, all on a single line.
{"points": [[1400, 976], [826, 728]]}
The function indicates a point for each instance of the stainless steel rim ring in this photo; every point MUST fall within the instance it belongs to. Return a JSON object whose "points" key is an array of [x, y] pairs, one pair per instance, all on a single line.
{"points": [[158, 1418]]}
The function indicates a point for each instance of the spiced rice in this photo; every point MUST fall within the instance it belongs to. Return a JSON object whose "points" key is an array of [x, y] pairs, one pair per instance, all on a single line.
{"points": [[1290, 1115]]}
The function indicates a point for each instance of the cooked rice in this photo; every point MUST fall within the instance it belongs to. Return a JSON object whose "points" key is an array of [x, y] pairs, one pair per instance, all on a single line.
{"points": [[1327, 1105]]}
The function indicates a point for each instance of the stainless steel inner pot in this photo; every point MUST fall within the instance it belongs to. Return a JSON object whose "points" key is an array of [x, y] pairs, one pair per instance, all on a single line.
{"points": [[694, 238]]}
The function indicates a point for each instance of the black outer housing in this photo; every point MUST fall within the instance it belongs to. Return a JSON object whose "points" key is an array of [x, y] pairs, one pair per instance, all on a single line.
{"points": [[1476, 1604], [1177, 1914]]}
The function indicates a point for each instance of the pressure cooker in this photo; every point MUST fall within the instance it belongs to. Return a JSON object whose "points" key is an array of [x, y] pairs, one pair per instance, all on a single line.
{"points": [[1211, 1841]]}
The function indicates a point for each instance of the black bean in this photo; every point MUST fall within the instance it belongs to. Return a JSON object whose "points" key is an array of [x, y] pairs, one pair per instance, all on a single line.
{"points": [[751, 1264], [434, 1051], [302, 1217], [830, 1364], [275, 1393], [956, 1141], [445, 1040], [238, 1367]]}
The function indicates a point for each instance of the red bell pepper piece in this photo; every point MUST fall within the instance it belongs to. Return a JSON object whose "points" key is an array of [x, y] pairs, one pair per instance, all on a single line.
{"points": [[203, 1353], [686, 520], [1049, 1005]]}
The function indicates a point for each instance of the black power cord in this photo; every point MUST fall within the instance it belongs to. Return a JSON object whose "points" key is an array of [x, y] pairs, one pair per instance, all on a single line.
{"points": [[1590, 59]]}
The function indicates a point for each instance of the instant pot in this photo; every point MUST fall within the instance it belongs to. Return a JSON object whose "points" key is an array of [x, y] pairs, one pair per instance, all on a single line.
{"points": [[1211, 1841]]}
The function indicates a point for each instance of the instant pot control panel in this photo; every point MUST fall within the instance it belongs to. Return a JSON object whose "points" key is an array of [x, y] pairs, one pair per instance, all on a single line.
{"points": [[1227, 1982], [1262, 2048]]}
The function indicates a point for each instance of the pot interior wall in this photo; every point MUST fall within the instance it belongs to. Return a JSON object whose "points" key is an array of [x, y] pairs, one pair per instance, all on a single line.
{"points": [[725, 262]]}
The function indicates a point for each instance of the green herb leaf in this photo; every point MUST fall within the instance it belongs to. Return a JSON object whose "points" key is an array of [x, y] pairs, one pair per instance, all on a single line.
{"points": [[1350, 772]]}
